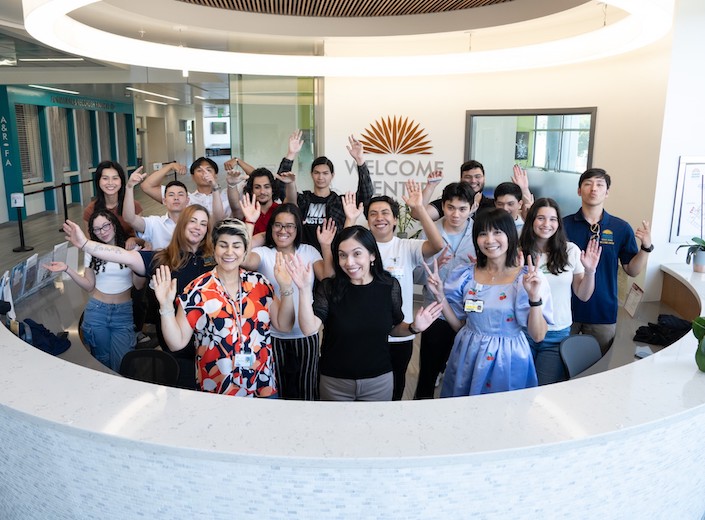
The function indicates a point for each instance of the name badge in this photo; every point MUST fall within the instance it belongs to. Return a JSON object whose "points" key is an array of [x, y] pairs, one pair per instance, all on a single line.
{"points": [[474, 305], [243, 360]]}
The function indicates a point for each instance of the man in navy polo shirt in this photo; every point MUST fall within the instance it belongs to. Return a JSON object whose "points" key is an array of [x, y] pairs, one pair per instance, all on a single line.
{"points": [[598, 316]]}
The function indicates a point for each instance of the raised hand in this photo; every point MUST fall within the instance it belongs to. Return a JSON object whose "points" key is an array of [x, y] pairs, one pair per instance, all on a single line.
{"points": [[251, 208], [356, 150], [351, 209], [281, 274], [476, 202], [433, 281], [132, 244], [301, 273], [74, 234], [643, 233], [296, 142], [591, 256], [325, 233], [425, 316], [180, 169], [520, 178], [286, 177], [136, 177], [164, 286], [414, 197], [231, 165], [444, 256], [532, 279], [435, 176]]}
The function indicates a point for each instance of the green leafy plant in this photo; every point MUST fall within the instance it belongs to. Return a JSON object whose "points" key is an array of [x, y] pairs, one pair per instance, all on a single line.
{"points": [[699, 333], [699, 245], [405, 220]]}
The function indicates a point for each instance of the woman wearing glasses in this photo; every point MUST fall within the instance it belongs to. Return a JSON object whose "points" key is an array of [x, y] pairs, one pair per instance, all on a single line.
{"points": [[108, 327], [295, 353], [567, 270]]}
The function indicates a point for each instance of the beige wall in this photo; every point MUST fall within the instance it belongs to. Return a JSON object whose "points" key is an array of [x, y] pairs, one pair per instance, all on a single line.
{"points": [[629, 91]]}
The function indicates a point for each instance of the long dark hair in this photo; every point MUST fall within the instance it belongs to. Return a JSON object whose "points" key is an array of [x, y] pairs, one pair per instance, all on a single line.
{"points": [[556, 245], [99, 195], [341, 281], [502, 221], [284, 208], [120, 237]]}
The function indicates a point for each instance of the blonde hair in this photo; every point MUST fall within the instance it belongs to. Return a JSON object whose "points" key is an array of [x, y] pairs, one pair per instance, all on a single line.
{"points": [[231, 226]]}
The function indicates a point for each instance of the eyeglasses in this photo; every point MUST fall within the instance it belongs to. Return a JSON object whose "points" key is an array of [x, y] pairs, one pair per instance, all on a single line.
{"points": [[102, 229], [595, 230], [278, 226]]}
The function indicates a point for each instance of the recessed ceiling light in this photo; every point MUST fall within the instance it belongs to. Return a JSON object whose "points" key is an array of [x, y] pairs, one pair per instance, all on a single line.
{"points": [[155, 102], [55, 89], [50, 59], [152, 93], [199, 97]]}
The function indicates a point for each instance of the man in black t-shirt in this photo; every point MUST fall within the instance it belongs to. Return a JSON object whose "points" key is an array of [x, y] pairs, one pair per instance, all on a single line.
{"points": [[322, 202]]}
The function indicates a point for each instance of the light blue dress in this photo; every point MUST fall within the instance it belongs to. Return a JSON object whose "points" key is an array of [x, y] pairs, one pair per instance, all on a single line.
{"points": [[490, 353]]}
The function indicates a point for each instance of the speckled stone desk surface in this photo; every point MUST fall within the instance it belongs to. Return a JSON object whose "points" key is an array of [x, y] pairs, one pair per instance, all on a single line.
{"points": [[663, 385]]}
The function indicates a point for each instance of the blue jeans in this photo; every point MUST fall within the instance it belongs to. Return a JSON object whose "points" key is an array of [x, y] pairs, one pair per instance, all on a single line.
{"points": [[547, 358], [109, 331]]}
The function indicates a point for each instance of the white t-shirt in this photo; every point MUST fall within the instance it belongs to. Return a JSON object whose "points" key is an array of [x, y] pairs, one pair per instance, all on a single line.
{"points": [[158, 230], [267, 255], [111, 278], [399, 257], [196, 197], [561, 287]]}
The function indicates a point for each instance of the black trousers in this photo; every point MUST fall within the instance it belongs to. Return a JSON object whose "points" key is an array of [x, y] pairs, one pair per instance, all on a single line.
{"points": [[436, 344], [401, 355]]}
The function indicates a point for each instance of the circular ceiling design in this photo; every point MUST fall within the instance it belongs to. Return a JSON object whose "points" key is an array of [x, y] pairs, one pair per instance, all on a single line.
{"points": [[345, 8]]}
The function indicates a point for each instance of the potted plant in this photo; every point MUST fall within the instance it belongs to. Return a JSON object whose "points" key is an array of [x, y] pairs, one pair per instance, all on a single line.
{"points": [[696, 251], [699, 332], [405, 221]]}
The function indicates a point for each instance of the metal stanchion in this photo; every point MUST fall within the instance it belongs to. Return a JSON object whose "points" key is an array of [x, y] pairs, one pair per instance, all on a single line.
{"points": [[66, 206], [22, 247]]}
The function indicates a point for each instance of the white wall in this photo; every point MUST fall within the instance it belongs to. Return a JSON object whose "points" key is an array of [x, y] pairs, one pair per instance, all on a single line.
{"points": [[629, 91]]}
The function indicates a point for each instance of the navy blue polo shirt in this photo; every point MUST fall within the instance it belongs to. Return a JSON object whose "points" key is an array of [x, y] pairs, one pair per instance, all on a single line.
{"points": [[618, 247]]}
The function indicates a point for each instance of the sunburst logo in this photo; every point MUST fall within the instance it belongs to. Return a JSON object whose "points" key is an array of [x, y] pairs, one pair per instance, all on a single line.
{"points": [[396, 135]]}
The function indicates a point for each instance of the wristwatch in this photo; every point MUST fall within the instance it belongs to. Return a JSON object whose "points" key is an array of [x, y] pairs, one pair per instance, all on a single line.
{"points": [[536, 304], [647, 249]]}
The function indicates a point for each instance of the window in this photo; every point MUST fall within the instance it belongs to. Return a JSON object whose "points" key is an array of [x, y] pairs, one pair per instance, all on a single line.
{"points": [[27, 117], [561, 142]]}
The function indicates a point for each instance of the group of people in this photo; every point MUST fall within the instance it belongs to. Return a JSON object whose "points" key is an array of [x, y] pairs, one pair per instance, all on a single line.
{"points": [[242, 280]]}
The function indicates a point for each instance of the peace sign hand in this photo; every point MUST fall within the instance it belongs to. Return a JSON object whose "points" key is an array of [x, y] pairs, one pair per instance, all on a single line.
{"points": [[532, 279]]}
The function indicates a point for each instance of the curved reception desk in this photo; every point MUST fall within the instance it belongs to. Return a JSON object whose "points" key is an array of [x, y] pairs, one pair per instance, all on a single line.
{"points": [[77, 443]]}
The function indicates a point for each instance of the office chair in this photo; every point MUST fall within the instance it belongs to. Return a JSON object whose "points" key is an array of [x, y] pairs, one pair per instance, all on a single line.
{"points": [[579, 353], [152, 366]]}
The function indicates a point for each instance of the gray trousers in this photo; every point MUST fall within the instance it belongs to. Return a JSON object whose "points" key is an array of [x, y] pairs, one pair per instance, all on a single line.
{"points": [[378, 388], [604, 333]]}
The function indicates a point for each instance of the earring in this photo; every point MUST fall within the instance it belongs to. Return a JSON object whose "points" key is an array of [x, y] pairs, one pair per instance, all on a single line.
{"points": [[372, 264]]}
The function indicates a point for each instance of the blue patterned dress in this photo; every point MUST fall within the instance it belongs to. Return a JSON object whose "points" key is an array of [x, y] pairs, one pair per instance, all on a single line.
{"points": [[490, 353]]}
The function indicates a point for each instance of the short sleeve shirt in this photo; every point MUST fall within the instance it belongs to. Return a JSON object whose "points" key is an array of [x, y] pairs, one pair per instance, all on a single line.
{"points": [[229, 330]]}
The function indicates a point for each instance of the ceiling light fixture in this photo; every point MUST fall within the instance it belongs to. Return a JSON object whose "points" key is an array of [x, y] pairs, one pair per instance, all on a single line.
{"points": [[152, 93], [199, 97], [645, 22], [49, 59], [155, 102], [53, 89]]}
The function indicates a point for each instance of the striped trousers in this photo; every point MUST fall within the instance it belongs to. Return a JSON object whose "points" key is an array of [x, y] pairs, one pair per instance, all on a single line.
{"points": [[296, 365]]}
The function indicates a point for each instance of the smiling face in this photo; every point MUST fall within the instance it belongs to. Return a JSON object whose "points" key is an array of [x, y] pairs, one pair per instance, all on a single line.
{"points": [[593, 191], [229, 251], [284, 231], [262, 190], [355, 261], [196, 228], [493, 243], [381, 221], [546, 223], [109, 181], [104, 230], [475, 178]]}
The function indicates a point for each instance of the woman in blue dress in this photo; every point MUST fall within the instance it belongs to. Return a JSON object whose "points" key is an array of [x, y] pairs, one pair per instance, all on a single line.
{"points": [[490, 304]]}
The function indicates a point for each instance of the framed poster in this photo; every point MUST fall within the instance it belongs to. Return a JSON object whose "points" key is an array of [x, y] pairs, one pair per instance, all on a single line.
{"points": [[687, 221]]}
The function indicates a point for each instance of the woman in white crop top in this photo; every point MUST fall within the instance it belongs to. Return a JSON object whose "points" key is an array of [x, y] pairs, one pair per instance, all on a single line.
{"points": [[108, 326]]}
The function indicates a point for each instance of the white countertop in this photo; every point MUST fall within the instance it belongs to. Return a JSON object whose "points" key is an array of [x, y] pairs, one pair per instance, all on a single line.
{"points": [[665, 384]]}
